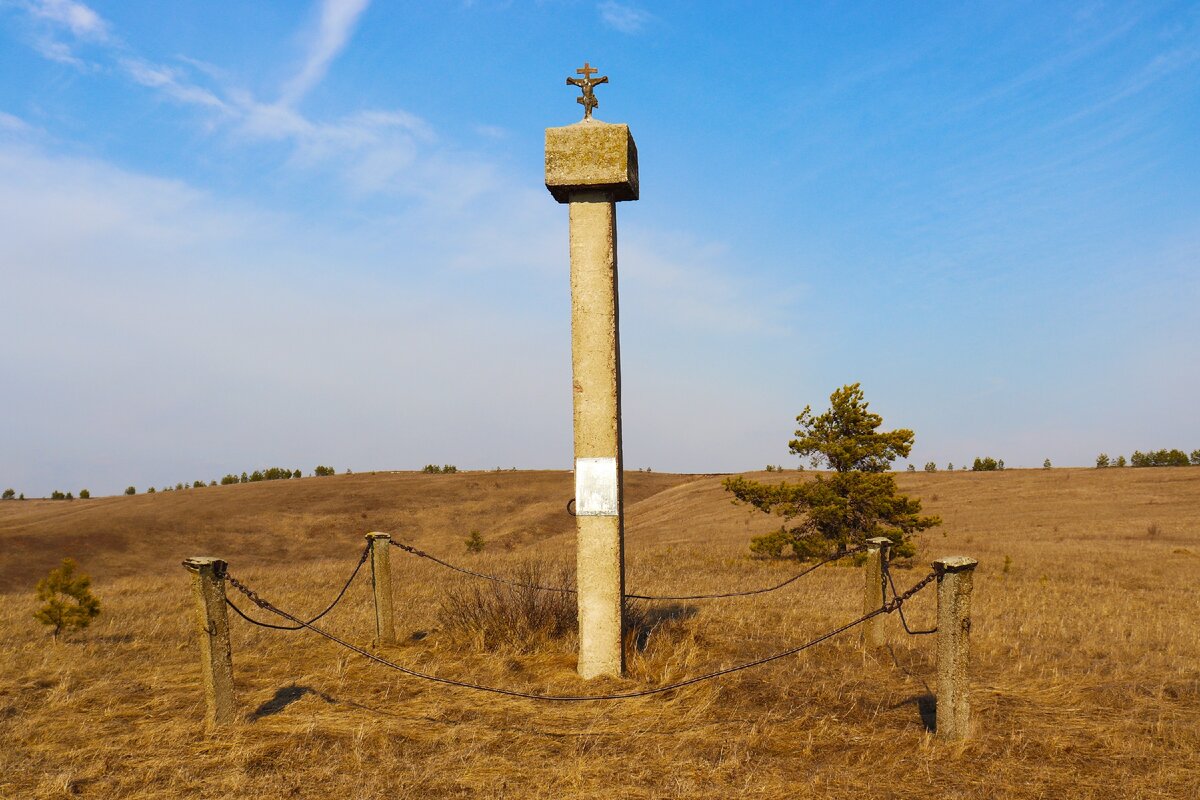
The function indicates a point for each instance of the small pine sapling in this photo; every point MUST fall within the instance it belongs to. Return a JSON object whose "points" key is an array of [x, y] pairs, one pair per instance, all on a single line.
{"points": [[68, 598], [475, 542]]}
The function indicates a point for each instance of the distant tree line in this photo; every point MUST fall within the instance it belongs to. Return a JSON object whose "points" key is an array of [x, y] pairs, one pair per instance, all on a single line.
{"points": [[269, 474], [1154, 458], [11, 494], [434, 469]]}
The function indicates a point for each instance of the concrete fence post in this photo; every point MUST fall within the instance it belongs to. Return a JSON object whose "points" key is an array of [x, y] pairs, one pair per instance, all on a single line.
{"points": [[954, 581], [591, 166], [878, 551], [381, 583], [212, 627]]}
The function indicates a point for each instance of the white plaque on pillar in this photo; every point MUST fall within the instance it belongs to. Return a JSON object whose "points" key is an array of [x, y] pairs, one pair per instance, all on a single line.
{"points": [[596, 487]]}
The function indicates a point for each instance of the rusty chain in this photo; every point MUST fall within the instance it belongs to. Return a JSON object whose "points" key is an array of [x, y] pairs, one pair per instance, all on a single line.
{"points": [[235, 583], [886, 578]]}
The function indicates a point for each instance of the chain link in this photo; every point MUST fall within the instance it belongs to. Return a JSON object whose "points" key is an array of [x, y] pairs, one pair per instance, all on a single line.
{"points": [[886, 577], [898, 600], [258, 601]]}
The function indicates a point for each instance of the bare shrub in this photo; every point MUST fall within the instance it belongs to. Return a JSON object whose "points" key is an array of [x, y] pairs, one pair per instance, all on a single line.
{"points": [[1152, 530], [496, 615]]}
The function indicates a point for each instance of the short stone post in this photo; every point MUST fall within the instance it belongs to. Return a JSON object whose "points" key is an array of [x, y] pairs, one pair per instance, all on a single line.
{"points": [[212, 628], [592, 165], [381, 583], [954, 582], [878, 551]]}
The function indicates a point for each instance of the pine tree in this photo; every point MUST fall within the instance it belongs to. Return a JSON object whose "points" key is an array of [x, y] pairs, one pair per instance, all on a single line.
{"points": [[69, 601], [858, 501]]}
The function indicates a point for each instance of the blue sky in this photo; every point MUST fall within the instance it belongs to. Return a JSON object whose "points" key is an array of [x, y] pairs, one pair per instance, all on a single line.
{"points": [[242, 234]]}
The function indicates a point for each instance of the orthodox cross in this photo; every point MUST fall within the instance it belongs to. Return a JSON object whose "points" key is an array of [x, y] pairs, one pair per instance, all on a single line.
{"points": [[586, 83]]}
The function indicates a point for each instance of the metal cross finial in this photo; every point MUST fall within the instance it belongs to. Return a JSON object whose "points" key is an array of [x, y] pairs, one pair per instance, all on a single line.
{"points": [[587, 83]]}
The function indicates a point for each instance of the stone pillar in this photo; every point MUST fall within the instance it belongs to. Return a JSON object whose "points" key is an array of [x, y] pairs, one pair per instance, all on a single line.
{"points": [[877, 555], [954, 582], [592, 165], [381, 584], [212, 630]]}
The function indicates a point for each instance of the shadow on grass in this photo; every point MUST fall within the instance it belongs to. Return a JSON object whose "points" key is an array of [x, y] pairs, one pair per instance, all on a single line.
{"points": [[284, 697], [642, 622], [926, 706], [926, 703]]}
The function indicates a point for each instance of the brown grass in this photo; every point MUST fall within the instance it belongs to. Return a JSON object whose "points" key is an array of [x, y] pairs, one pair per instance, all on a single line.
{"points": [[517, 615], [1086, 675]]}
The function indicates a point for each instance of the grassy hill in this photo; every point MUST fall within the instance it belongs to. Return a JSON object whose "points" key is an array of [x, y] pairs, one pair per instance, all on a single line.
{"points": [[304, 519], [1086, 674]]}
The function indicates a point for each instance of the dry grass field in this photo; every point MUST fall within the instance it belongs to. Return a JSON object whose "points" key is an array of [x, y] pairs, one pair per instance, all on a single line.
{"points": [[1086, 679]]}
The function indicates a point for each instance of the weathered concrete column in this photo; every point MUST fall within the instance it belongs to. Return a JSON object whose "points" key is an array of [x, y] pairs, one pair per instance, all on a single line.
{"points": [[878, 551], [212, 629], [591, 165], [954, 582], [381, 584]]}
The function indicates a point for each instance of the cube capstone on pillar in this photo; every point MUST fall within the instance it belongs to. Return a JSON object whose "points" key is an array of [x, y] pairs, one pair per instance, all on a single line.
{"points": [[591, 156]]}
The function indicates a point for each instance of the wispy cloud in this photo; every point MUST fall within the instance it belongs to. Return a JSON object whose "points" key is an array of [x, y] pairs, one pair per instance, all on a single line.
{"points": [[171, 82], [55, 50], [336, 23], [79, 19], [56, 19], [372, 150], [623, 18], [12, 124]]}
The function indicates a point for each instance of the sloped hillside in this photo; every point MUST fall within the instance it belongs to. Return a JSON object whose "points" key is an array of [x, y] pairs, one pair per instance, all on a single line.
{"points": [[311, 518]]}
